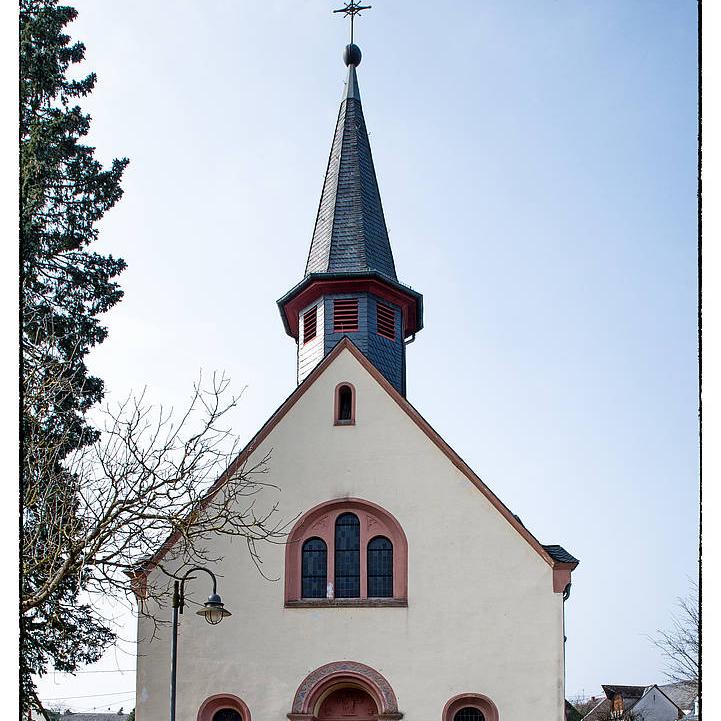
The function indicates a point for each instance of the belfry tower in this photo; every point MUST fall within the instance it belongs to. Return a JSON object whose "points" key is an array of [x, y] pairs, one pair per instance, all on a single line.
{"points": [[350, 286]]}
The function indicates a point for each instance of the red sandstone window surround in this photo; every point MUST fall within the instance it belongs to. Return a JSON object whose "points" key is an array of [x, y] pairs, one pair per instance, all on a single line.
{"points": [[365, 552], [344, 405], [470, 707], [223, 707]]}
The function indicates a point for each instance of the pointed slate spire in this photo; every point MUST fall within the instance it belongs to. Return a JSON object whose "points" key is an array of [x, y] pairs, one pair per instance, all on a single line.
{"points": [[350, 289], [350, 232]]}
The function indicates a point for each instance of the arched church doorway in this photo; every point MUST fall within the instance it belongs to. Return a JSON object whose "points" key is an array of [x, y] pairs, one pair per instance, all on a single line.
{"points": [[346, 704], [344, 691]]}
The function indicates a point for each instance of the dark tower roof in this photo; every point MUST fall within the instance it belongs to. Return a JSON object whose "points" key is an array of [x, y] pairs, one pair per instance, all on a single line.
{"points": [[350, 266], [350, 234]]}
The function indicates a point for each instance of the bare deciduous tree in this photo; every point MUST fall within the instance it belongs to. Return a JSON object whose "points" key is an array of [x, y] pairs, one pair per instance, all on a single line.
{"points": [[680, 645], [147, 477], [92, 514]]}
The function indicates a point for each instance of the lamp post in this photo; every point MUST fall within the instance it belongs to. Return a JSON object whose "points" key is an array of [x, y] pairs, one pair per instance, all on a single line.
{"points": [[212, 610]]}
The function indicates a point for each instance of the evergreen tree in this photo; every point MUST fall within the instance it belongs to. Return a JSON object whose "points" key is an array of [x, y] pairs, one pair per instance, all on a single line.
{"points": [[64, 192]]}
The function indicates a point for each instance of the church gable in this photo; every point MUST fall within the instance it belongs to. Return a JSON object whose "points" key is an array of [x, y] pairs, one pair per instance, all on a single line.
{"points": [[315, 458]]}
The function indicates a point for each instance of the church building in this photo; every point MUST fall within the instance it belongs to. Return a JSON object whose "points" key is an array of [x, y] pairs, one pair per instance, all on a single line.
{"points": [[405, 588]]}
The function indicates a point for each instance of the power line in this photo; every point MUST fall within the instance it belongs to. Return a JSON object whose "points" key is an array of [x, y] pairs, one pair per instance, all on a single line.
{"points": [[92, 695], [120, 700]]}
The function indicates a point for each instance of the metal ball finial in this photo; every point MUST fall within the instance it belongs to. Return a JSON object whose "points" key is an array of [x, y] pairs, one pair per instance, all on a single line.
{"points": [[352, 55]]}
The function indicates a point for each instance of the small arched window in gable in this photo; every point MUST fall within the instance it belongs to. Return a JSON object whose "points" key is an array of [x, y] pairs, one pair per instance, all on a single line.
{"points": [[314, 571], [347, 556], [380, 568], [344, 404]]}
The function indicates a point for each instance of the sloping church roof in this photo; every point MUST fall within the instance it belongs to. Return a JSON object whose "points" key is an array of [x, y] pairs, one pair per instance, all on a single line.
{"points": [[557, 556], [350, 232]]}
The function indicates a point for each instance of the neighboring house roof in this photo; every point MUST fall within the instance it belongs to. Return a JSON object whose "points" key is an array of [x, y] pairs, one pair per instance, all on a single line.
{"points": [[571, 712], [632, 693], [682, 693], [346, 344], [631, 696], [599, 712]]}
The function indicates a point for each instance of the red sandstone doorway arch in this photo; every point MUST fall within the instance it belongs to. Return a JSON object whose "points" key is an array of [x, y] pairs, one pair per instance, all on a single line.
{"points": [[361, 683]]}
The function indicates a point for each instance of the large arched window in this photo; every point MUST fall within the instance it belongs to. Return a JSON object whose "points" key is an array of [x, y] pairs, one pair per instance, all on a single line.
{"points": [[380, 568], [346, 552], [315, 568], [347, 556]]}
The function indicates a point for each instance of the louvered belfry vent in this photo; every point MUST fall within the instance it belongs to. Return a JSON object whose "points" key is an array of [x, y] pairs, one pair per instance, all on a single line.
{"points": [[345, 315], [386, 320], [310, 324]]}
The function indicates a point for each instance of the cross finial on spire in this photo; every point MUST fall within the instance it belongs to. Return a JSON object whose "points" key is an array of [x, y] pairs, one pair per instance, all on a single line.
{"points": [[351, 9]]}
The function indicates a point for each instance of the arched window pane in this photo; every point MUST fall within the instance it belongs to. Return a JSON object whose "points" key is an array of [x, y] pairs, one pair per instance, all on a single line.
{"points": [[347, 556], [315, 569], [227, 714], [469, 714], [380, 568], [345, 403]]}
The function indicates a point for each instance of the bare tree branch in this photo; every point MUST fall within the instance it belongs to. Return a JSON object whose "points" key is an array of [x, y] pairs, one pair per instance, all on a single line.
{"points": [[680, 645]]}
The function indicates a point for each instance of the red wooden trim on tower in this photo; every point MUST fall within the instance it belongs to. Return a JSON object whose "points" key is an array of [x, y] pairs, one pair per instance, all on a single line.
{"points": [[318, 288]]}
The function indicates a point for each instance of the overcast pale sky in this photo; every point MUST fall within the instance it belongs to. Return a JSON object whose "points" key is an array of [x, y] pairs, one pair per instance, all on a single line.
{"points": [[537, 164]]}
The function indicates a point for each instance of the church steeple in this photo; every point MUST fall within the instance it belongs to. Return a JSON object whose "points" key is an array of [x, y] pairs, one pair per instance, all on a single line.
{"points": [[350, 229], [350, 286]]}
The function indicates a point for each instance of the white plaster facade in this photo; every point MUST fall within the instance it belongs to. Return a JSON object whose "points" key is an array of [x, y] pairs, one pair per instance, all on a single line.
{"points": [[482, 615]]}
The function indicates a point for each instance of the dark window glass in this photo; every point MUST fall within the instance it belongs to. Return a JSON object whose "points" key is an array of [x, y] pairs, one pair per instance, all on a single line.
{"points": [[347, 556], [315, 568], [345, 403], [469, 714], [380, 568], [227, 714]]}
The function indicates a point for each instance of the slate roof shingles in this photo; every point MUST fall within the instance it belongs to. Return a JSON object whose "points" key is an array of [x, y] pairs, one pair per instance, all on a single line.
{"points": [[560, 554], [350, 233]]}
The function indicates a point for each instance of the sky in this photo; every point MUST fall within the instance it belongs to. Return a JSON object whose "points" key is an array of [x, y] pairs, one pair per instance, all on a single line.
{"points": [[537, 165]]}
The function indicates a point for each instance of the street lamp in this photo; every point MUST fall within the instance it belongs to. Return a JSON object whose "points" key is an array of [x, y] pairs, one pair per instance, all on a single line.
{"points": [[212, 610]]}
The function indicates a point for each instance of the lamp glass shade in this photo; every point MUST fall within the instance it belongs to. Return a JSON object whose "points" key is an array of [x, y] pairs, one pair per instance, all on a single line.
{"points": [[213, 610]]}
